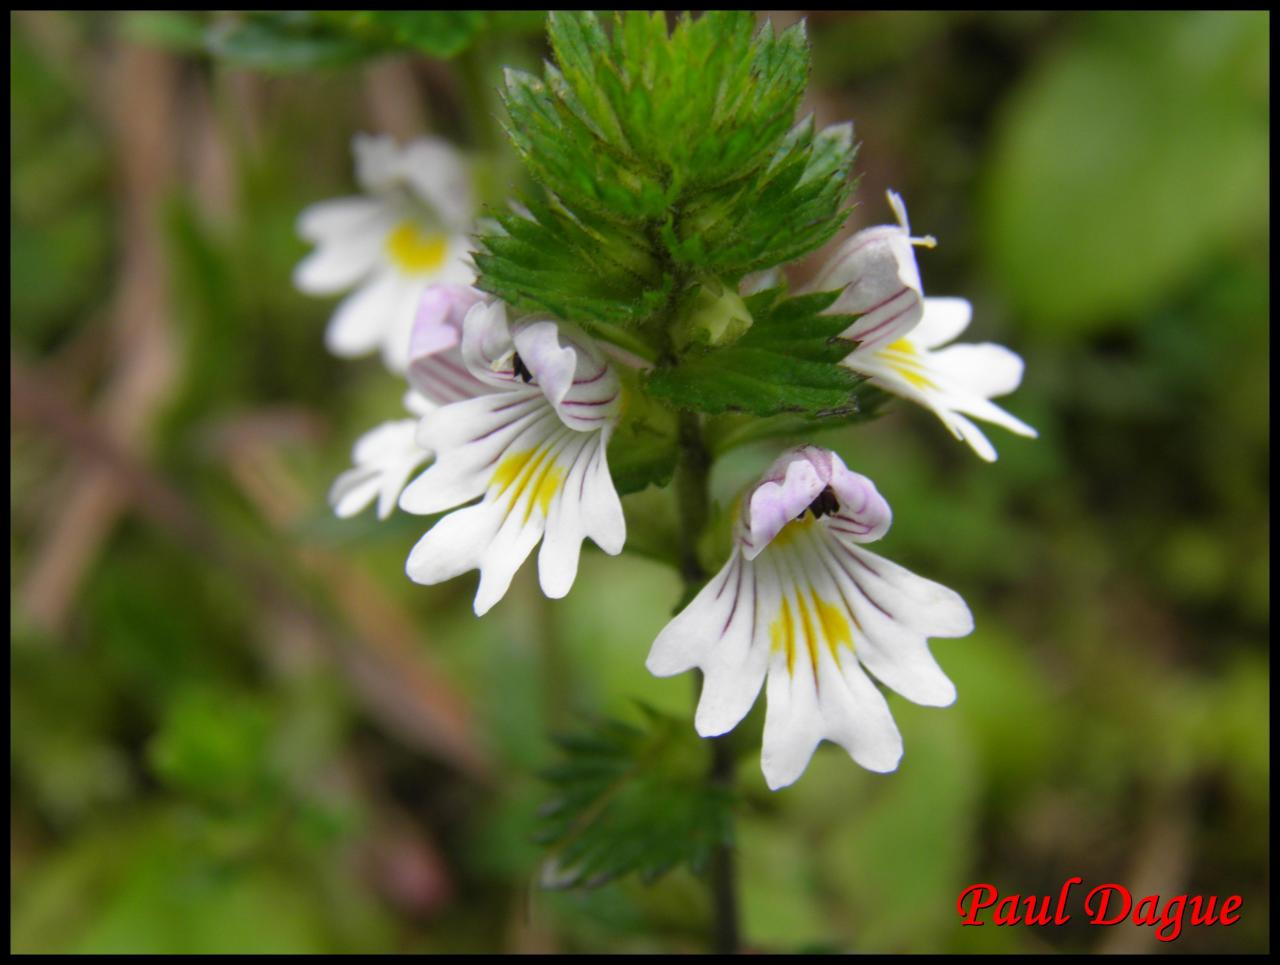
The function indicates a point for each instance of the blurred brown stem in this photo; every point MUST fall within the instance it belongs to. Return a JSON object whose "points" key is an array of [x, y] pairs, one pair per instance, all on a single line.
{"points": [[140, 113]]}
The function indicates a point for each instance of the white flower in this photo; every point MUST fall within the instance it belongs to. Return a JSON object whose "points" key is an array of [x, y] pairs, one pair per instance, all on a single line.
{"points": [[408, 230], [534, 449], [801, 603], [385, 457], [877, 270], [953, 382]]}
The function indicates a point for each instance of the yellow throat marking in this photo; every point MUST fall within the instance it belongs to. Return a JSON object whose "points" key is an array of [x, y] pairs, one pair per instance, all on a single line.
{"points": [[533, 473], [793, 529], [904, 359], [825, 623], [415, 251]]}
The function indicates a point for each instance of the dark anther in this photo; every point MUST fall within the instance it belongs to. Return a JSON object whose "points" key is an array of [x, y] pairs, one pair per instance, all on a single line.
{"points": [[521, 369], [825, 504]]}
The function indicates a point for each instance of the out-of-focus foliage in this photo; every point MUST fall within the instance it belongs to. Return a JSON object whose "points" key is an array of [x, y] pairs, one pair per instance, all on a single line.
{"points": [[230, 745], [1148, 137], [291, 40]]}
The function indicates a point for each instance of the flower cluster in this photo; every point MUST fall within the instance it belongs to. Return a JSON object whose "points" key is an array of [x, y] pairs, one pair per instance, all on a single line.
{"points": [[512, 418]]}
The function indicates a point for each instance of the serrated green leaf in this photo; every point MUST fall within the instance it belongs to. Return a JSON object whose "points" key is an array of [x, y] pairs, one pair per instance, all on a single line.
{"points": [[738, 379], [665, 159], [631, 799], [786, 362]]}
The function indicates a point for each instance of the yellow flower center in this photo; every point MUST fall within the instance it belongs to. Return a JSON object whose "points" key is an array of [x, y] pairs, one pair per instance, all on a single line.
{"points": [[819, 622], [903, 357], [415, 251], [533, 473], [792, 530]]}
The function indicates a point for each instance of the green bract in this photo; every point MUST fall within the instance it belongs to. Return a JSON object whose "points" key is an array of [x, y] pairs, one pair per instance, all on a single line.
{"points": [[668, 163], [631, 799]]}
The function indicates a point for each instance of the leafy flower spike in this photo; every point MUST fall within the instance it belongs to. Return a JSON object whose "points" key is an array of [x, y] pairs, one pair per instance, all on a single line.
{"points": [[408, 230], [877, 270], [953, 382], [801, 602], [534, 448]]}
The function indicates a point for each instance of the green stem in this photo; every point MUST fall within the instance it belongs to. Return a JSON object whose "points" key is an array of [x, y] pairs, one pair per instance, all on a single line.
{"points": [[693, 495]]}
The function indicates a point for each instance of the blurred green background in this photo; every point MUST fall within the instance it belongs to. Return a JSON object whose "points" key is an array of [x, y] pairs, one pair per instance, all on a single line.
{"points": [[236, 725]]}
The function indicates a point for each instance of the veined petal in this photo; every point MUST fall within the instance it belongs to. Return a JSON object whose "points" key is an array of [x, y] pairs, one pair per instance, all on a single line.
{"points": [[455, 544], [551, 365], [586, 505], [845, 708], [952, 382], [525, 480], [470, 439], [775, 502], [795, 483], [561, 363], [723, 632], [436, 368], [877, 270]]}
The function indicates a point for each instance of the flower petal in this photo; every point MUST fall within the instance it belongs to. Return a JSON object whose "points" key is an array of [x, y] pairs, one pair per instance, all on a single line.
{"points": [[385, 457], [877, 269], [343, 259], [398, 323], [551, 364], [721, 631], [985, 369], [455, 544], [469, 439], [437, 173], [377, 161], [863, 515], [339, 218], [585, 505], [777, 501], [360, 322], [506, 552], [944, 319], [436, 368]]}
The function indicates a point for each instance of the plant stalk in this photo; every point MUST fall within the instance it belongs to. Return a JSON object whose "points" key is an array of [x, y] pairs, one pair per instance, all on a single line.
{"points": [[693, 495]]}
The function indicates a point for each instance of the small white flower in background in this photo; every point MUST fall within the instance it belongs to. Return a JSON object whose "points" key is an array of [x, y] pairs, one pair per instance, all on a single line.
{"points": [[534, 448], [877, 270], [953, 382], [387, 455], [801, 603], [408, 230]]}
